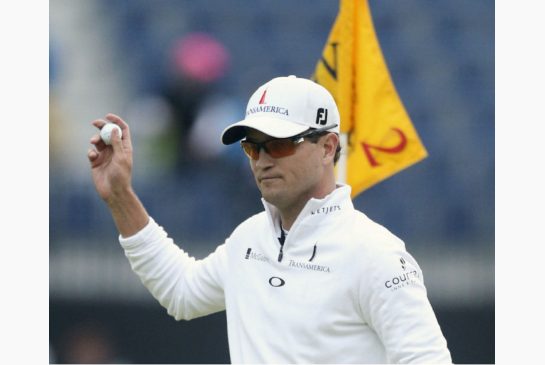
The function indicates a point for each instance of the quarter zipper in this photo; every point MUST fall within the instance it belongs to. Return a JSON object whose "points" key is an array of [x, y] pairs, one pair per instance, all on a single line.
{"points": [[281, 239]]}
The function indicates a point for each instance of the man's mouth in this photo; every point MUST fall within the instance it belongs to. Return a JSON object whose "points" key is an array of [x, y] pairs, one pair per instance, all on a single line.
{"points": [[268, 178]]}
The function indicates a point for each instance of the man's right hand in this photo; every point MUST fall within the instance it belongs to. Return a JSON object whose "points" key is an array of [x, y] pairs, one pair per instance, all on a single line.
{"points": [[111, 167]]}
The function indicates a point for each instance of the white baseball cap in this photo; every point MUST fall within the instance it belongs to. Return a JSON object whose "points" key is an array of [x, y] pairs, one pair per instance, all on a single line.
{"points": [[285, 107]]}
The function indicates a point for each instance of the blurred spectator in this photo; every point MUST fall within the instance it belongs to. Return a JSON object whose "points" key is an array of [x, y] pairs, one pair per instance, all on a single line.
{"points": [[89, 343], [180, 125], [215, 114], [198, 62], [151, 118]]}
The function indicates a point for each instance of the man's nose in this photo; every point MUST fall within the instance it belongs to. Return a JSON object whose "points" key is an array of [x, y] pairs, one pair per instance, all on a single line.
{"points": [[263, 158]]}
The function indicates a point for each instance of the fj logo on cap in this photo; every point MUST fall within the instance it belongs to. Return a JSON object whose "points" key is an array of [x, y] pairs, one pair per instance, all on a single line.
{"points": [[321, 116]]}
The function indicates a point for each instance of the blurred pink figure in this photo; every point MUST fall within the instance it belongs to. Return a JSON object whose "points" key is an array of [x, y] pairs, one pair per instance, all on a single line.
{"points": [[201, 57]]}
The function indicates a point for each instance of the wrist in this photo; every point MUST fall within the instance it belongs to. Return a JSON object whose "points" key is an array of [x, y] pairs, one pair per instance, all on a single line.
{"points": [[120, 196], [129, 214]]}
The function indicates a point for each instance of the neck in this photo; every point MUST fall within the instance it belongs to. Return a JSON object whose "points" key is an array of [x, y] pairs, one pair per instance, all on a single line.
{"points": [[289, 214]]}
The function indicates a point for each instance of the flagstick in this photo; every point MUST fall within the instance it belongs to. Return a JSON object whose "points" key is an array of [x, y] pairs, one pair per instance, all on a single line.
{"points": [[341, 164]]}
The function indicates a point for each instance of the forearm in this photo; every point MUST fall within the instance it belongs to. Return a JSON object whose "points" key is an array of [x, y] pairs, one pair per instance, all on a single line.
{"points": [[187, 288], [128, 212]]}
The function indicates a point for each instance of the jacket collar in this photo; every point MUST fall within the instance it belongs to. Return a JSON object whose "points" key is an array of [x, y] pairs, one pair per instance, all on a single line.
{"points": [[315, 211]]}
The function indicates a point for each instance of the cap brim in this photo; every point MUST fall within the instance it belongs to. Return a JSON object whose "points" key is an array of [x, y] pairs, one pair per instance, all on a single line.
{"points": [[274, 127]]}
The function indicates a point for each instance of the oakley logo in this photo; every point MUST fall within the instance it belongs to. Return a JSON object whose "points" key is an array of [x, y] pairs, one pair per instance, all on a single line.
{"points": [[276, 281], [321, 116]]}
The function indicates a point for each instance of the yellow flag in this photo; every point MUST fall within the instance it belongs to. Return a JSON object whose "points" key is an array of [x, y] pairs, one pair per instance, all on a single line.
{"points": [[381, 138]]}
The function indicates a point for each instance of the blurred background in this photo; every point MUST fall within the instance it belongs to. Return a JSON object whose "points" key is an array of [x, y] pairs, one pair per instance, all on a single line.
{"points": [[179, 71]]}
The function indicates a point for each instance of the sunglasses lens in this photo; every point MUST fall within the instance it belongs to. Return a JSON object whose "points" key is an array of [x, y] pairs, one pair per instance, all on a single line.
{"points": [[251, 149], [280, 148], [276, 148]]}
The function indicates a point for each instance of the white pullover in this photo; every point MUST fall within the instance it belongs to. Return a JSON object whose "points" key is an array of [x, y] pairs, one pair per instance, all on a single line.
{"points": [[342, 289]]}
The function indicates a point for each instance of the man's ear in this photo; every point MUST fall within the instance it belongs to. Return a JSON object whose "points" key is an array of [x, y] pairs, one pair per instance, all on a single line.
{"points": [[330, 143]]}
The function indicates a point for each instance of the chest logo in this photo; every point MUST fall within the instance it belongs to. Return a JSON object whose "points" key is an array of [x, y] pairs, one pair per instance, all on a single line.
{"points": [[276, 282], [313, 253]]}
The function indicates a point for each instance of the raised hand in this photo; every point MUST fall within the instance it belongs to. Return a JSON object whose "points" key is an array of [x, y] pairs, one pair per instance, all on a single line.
{"points": [[111, 166]]}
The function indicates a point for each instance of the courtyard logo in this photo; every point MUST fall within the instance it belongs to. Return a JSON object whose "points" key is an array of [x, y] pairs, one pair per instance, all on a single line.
{"points": [[401, 281]]}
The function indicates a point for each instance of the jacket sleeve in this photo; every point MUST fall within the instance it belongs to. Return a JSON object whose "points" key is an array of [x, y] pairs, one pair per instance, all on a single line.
{"points": [[186, 287], [394, 303]]}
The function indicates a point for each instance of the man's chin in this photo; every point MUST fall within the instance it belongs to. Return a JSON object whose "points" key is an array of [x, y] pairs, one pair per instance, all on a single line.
{"points": [[271, 195], [270, 186]]}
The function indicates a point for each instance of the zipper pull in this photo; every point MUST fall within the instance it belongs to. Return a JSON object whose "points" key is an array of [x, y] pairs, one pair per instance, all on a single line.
{"points": [[281, 239]]}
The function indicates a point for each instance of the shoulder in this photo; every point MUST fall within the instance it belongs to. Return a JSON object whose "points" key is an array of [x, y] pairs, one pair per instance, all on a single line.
{"points": [[381, 255], [371, 236], [378, 252]]}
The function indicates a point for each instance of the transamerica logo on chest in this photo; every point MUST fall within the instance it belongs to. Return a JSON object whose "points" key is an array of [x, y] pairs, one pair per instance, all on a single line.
{"points": [[309, 266], [306, 265]]}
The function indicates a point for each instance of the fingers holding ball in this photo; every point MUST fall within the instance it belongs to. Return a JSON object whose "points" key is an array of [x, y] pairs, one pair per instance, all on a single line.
{"points": [[106, 132]]}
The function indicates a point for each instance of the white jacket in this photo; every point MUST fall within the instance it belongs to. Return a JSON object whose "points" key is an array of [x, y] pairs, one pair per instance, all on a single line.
{"points": [[345, 290]]}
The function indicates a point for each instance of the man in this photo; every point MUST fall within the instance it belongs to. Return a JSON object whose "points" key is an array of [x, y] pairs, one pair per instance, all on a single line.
{"points": [[310, 279]]}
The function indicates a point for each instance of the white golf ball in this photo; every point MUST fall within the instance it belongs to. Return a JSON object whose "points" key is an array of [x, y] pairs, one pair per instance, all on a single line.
{"points": [[106, 132]]}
